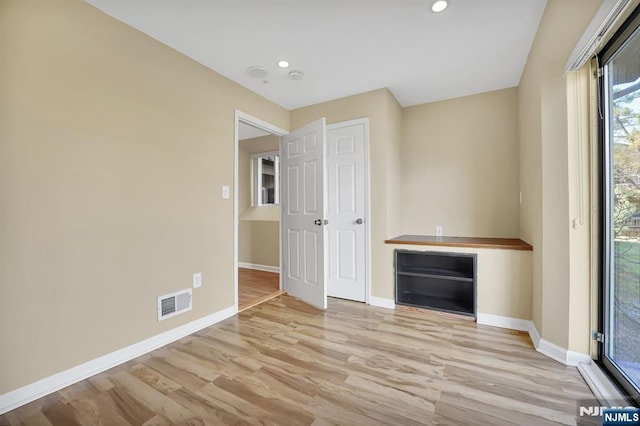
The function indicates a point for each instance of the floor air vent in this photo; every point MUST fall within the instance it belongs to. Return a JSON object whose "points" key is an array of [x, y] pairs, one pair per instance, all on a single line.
{"points": [[173, 304]]}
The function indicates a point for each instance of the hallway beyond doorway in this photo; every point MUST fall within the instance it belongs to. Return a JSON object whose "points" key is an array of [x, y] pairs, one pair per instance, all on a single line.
{"points": [[255, 287]]}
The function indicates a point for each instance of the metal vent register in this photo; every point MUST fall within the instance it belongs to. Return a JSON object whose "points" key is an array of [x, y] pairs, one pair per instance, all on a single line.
{"points": [[173, 304]]}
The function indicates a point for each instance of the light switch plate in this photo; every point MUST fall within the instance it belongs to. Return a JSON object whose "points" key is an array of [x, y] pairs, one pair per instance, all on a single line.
{"points": [[226, 194]]}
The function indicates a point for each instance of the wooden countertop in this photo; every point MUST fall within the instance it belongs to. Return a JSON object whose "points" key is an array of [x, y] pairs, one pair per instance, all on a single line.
{"points": [[432, 240]]}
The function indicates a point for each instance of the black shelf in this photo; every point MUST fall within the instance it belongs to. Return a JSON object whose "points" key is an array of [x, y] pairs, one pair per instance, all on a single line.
{"points": [[437, 303], [436, 280], [435, 273]]}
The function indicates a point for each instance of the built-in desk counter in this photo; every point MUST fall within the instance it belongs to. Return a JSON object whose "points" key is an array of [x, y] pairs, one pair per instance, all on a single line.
{"points": [[472, 242], [502, 274]]}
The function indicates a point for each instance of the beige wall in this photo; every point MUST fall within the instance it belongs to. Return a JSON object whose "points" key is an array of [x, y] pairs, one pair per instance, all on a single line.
{"points": [[259, 242], [461, 166], [394, 165], [545, 218], [460, 169], [258, 238], [384, 114], [113, 150]]}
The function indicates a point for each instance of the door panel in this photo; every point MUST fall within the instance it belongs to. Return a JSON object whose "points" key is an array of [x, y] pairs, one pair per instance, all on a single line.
{"points": [[303, 213], [347, 250], [293, 260], [311, 253], [311, 188], [346, 187], [346, 212], [293, 202]]}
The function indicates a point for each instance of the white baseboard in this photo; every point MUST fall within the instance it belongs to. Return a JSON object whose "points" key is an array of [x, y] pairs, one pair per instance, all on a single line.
{"points": [[511, 323], [265, 268], [553, 351], [503, 322], [534, 335], [545, 347], [381, 302], [33, 391], [556, 352]]}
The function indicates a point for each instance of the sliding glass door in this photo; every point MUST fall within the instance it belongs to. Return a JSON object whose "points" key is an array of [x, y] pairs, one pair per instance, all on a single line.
{"points": [[620, 110]]}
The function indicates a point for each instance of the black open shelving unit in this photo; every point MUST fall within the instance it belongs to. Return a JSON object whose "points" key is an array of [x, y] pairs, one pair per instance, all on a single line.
{"points": [[436, 280]]}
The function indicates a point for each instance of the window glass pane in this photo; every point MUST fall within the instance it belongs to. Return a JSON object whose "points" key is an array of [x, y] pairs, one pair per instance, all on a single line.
{"points": [[268, 180], [265, 178], [622, 233]]}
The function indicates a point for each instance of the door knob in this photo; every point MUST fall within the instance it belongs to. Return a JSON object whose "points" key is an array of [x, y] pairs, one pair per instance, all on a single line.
{"points": [[317, 222], [359, 221]]}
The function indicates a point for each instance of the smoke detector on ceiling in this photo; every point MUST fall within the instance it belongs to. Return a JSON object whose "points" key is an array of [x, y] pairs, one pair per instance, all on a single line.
{"points": [[257, 72], [296, 75]]}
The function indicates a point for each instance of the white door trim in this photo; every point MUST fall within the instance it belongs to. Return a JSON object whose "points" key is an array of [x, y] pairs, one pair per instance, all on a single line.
{"points": [[367, 202], [240, 116]]}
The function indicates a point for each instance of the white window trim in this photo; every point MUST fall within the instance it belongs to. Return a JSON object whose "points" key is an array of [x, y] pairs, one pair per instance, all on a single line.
{"points": [[608, 18]]}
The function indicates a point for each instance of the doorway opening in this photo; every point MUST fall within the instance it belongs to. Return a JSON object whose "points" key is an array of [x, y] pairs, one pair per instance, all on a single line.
{"points": [[317, 244], [256, 212]]}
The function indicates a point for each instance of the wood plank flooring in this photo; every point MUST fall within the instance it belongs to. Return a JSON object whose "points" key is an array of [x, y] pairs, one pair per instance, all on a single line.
{"points": [[255, 287], [286, 363]]}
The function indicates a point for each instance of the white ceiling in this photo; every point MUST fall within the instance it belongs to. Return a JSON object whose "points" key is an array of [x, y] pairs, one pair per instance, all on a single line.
{"points": [[346, 47]]}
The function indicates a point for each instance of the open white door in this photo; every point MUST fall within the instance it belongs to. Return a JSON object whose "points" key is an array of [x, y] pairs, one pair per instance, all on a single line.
{"points": [[303, 197]]}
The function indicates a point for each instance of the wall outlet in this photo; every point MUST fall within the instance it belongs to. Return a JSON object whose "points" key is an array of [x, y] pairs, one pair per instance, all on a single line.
{"points": [[520, 197], [226, 193], [197, 280], [439, 231]]}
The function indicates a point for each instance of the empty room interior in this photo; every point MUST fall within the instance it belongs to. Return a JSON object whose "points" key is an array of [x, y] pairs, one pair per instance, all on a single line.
{"points": [[319, 212]]}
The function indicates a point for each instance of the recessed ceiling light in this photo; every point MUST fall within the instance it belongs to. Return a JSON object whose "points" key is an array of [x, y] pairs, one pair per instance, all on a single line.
{"points": [[283, 64], [439, 6]]}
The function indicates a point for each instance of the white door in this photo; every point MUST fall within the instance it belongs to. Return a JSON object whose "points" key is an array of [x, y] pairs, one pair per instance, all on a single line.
{"points": [[347, 210], [303, 202]]}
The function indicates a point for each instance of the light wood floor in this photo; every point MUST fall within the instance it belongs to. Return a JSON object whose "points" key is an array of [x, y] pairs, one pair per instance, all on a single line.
{"points": [[286, 363], [255, 287]]}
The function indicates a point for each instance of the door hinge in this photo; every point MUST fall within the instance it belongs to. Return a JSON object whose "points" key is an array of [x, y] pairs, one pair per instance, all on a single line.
{"points": [[598, 337]]}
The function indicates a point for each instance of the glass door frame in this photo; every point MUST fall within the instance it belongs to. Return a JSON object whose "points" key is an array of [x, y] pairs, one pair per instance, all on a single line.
{"points": [[630, 28]]}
